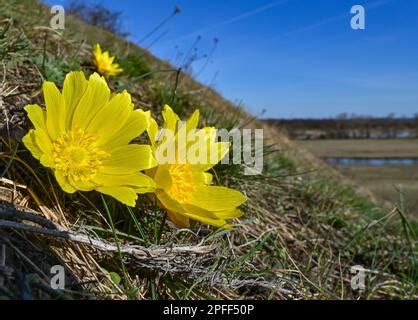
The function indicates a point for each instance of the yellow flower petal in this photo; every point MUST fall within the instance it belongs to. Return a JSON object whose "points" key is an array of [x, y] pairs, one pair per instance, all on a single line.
{"points": [[216, 198], [104, 62], [199, 211], [43, 141], [30, 142], [232, 214], [170, 119], [64, 183], [214, 222], [136, 124], [129, 159], [82, 185], [36, 115], [97, 50], [47, 161], [69, 137], [216, 152], [179, 220], [162, 177], [183, 187], [94, 99], [111, 117], [183, 135], [137, 180], [207, 178], [55, 108], [125, 195], [192, 122], [75, 85], [152, 128], [168, 202], [223, 149]]}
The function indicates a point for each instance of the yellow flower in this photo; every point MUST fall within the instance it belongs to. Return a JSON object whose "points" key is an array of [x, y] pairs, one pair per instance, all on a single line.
{"points": [[183, 187], [104, 62], [84, 135]]}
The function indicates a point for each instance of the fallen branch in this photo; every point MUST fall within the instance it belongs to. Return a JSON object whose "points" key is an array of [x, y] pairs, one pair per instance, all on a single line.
{"points": [[8, 217], [195, 260]]}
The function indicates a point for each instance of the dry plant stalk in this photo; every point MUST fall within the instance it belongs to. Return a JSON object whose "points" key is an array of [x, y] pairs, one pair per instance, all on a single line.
{"points": [[163, 253]]}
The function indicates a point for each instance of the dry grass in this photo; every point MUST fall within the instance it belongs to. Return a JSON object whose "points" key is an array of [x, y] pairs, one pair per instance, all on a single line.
{"points": [[384, 182]]}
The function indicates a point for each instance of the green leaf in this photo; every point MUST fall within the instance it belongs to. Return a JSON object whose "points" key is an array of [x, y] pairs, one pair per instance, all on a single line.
{"points": [[115, 277], [133, 292]]}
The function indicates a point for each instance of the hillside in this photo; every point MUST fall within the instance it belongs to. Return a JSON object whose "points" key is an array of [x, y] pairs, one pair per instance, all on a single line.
{"points": [[304, 226]]}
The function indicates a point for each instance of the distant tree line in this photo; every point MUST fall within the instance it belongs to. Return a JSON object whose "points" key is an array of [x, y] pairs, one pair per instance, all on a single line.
{"points": [[97, 15], [349, 127]]}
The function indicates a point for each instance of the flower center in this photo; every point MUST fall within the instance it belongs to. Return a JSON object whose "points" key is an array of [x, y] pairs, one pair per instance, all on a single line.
{"points": [[76, 155], [104, 64], [182, 182]]}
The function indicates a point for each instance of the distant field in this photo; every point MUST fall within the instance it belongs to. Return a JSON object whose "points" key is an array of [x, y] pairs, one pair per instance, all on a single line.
{"points": [[362, 147], [381, 180], [384, 180]]}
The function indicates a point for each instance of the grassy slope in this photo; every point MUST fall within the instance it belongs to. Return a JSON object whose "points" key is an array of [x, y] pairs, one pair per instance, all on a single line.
{"points": [[301, 233]]}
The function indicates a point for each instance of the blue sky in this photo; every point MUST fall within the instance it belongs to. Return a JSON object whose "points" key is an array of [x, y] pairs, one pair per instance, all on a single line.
{"points": [[293, 58]]}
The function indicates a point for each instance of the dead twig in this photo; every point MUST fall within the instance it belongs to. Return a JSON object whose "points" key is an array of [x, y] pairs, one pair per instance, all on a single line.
{"points": [[9, 218]]}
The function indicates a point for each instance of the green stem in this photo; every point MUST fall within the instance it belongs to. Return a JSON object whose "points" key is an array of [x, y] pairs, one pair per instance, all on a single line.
{"points": [[175, 86], [115, 236]]}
